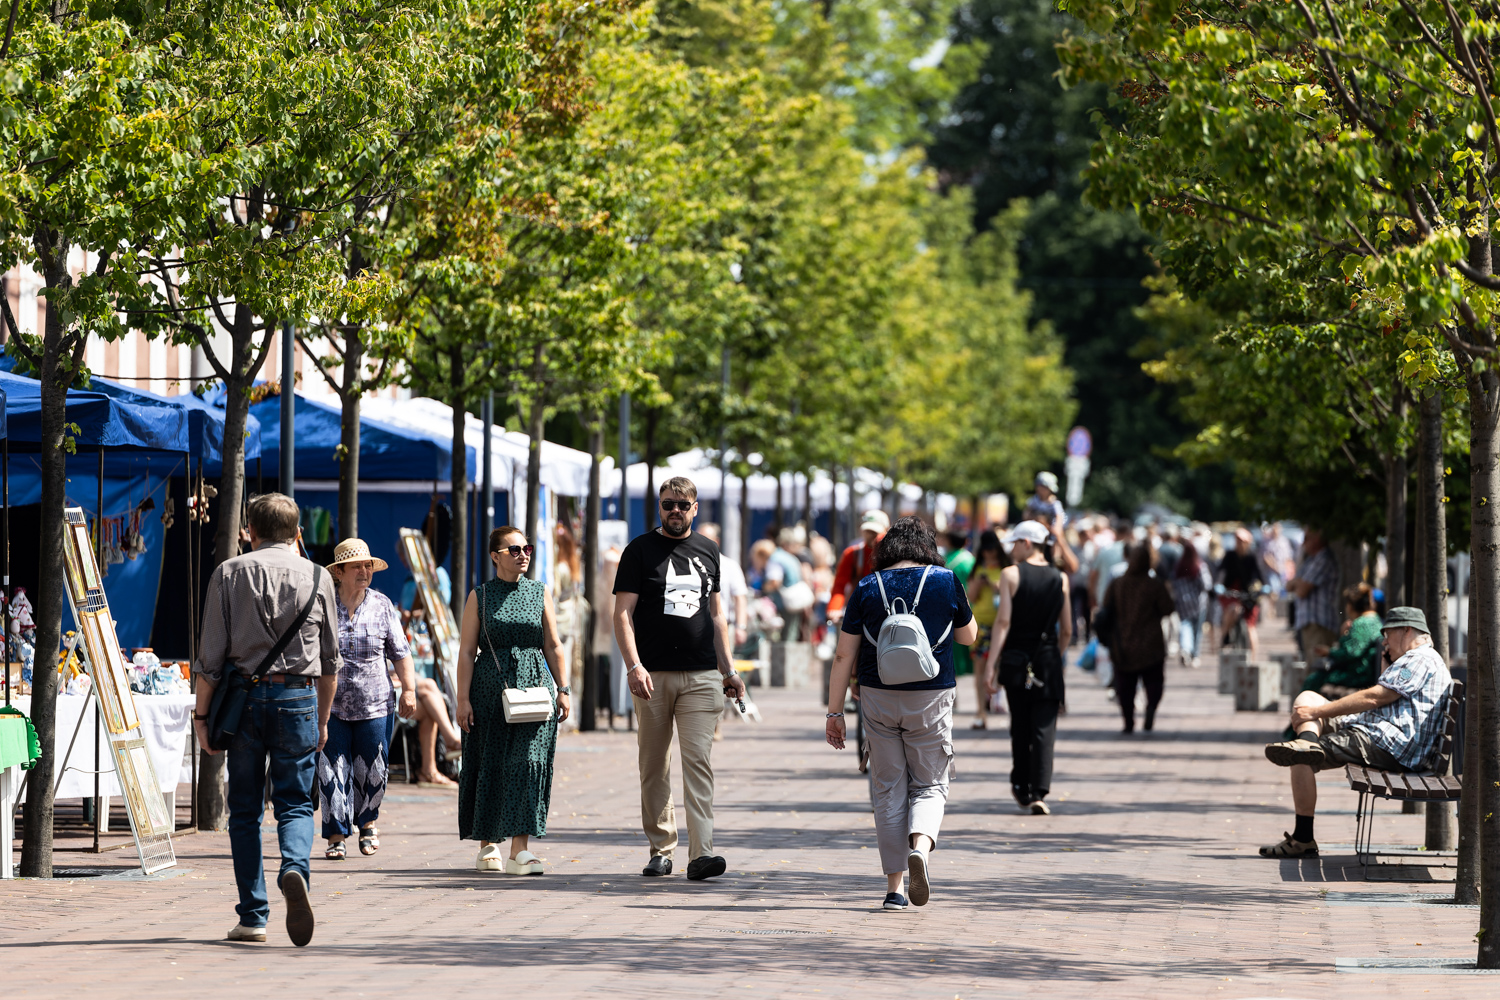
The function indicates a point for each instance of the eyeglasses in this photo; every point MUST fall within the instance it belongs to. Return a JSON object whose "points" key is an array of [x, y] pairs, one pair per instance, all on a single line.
{"points": [[517, 550], [682, 505]]}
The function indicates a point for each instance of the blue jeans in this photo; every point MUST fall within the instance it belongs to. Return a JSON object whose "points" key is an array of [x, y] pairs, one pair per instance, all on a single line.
{"points": [[352, 772], [1190, 634], [280, 724]]}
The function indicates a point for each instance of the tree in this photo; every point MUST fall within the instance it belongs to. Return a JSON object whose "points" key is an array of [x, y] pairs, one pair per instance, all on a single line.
{"points": [[99, 163], [1364, 136], [1013, 132]]}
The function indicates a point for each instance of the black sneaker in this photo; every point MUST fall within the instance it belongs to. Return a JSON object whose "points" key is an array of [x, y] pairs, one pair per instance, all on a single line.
{"points": [[894, 901], [707, 866], [659, 864]]}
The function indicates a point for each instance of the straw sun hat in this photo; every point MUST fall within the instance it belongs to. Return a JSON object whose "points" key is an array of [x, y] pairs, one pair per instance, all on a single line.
{"points": [[355, 550]]}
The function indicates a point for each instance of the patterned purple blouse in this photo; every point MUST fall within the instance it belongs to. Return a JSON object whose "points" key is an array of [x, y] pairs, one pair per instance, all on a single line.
{"points": [[368, 636]]}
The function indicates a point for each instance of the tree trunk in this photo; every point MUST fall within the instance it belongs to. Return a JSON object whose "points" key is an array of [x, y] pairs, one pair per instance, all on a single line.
{"points": [[354, 358], [1484, 628], [780, 505], [54, 376], [1466, 879], [537, 428], [651, 502], [745, 539], [1434, 597], [458, 486], [583, 688], [1395, 515], [213, 774]]}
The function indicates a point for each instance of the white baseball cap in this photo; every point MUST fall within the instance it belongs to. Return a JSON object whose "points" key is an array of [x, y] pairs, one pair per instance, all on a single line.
{"points": [[1048, 480], [877, 521], [1034, 532]]}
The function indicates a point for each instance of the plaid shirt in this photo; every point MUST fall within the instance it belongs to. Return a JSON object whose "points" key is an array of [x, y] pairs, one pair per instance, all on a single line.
{"points": [[1411, 727], [369, 635], [1320, 606]]}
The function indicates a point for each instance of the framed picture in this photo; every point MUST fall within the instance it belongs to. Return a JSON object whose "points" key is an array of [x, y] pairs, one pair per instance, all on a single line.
{"points": [[149, 819], [440, 623]]}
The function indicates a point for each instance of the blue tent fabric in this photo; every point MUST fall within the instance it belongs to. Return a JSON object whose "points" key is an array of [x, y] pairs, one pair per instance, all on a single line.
{"points": [[385, 452], [205, 423], [103, 421]]}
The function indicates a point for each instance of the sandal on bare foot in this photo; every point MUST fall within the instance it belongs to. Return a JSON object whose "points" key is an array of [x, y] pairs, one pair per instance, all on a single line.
{"points": [[336, 851], [369, 840]]}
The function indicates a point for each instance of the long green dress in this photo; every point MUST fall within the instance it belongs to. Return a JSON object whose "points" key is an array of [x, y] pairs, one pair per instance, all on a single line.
{"points": [[505, 788]]}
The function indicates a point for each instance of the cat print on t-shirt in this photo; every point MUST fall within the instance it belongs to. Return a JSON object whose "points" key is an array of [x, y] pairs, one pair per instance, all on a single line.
{"points": [[684, 593]]}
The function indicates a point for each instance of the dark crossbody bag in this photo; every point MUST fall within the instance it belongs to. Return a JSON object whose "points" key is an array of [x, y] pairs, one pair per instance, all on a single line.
{"points": [[228, 704]]}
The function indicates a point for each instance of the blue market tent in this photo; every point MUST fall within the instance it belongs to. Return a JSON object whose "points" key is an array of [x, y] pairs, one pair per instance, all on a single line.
{"points": [[400, 469], [205, 423], [385, 452], [141, 439]]}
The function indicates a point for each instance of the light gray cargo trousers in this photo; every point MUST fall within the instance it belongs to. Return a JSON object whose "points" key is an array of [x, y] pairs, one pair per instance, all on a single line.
{"points": [[911, 755]]}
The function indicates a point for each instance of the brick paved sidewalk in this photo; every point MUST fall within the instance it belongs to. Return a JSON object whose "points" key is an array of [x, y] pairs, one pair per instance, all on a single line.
{"points": [[1144, 883]]}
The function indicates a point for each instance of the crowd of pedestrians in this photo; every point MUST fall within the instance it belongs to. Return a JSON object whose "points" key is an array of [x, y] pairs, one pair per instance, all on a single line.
{"points": [[329, 663]]}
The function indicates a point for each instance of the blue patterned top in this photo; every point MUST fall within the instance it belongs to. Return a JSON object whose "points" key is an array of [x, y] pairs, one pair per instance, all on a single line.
{"points": [[368, 636], [1411, 727]]}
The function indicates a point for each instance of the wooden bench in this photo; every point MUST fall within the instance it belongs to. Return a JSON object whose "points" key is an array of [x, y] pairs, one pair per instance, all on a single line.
{"points": [[1435, 785]]}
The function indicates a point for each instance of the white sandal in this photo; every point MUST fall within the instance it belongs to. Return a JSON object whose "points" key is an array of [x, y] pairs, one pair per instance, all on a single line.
{"points": [[488, 858], [524, 863]]}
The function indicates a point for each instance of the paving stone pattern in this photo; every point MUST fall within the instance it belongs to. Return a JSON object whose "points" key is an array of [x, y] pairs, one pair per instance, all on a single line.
{"points": [[1144, 883]]}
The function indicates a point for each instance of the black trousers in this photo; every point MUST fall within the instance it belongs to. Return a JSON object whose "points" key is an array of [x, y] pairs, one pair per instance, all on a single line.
{"points": [[1154, 679], [1033, 734]]}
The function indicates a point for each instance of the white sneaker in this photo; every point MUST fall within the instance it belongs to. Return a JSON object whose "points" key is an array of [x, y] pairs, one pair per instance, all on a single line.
{"points": [[239, 932], [488, 859]]}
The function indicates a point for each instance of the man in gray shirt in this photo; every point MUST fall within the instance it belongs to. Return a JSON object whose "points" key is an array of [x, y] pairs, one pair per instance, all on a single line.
{"points": [[253, 600]]}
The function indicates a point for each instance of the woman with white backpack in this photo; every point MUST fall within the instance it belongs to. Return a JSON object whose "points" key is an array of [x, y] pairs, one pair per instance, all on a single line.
{"points": [[898, 633]]}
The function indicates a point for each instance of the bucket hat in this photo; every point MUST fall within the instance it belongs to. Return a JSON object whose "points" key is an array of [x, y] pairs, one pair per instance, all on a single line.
{"points": [[355, 550], [1406, 618]]}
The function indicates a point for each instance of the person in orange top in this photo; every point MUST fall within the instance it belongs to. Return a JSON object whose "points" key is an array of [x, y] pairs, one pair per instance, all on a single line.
{"points": [[857, 562]]}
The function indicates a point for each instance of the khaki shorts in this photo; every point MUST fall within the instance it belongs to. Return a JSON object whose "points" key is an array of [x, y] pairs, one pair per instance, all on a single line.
{"points": [[1345, 744]]}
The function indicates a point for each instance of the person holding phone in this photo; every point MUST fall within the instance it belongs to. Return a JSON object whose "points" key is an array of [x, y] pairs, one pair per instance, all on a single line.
{"points": [[671, 629]]}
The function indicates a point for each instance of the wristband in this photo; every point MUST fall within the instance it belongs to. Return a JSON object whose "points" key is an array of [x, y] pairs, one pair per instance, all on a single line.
{"points": [[565, 689], [199, 718], [835, 715]]}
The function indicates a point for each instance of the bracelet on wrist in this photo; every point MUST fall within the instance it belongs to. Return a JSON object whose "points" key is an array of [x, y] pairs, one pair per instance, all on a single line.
{"points": [[835, 715]]}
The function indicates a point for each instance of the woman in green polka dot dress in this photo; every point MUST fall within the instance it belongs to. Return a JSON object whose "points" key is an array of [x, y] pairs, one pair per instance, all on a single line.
{"points": [[508, 640]]}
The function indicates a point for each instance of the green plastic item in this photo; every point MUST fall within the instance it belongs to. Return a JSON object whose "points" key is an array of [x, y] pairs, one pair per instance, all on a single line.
{"points": [[18, 742]]}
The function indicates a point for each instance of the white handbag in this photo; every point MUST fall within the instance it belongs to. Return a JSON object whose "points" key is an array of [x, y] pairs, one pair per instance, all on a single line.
{"points": [[527, 704], [533, 704]]}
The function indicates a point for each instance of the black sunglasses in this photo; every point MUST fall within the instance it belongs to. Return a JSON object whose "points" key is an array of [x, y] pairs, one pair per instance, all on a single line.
{"points": [[682, 505], [516, 550]]}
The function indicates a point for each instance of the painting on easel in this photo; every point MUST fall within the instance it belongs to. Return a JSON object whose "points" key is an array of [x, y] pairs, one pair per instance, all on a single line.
{"points": [[150, 821], [440, 623]]}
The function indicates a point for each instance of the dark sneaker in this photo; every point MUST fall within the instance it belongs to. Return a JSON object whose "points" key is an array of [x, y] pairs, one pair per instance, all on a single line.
{"points": [[1289, 848], [1298, 751], [894, 901], [916, 870], [659, 864], [1040, 808], [299, 914], [707, 866]]}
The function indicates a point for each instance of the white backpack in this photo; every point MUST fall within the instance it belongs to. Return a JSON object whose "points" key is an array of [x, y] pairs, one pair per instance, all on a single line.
{"points": [[903, 653]]}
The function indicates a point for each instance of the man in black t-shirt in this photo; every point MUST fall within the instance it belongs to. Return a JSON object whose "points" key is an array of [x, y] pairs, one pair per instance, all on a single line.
{"points": [[670, 625]]}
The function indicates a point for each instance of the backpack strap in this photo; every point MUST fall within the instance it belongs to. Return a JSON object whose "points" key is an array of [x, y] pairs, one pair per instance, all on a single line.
{"points": [[883, 599], [920, 584]]}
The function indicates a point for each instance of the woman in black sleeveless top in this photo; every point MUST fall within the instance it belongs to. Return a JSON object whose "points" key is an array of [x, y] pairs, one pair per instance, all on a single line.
{"points": [[1026, 657]]}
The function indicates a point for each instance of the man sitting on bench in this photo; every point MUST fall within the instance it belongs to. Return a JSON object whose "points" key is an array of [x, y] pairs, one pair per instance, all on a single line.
{"points": [[1397, 725]]}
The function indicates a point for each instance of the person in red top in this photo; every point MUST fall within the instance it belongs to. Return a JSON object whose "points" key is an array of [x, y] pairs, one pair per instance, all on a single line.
{"points": [[857, 562]]}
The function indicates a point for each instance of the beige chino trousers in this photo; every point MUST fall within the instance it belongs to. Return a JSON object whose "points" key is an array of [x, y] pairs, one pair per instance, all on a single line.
{"points": [[692, 699]]}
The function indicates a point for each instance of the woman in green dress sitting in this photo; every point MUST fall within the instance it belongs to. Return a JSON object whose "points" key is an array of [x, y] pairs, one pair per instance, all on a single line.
{"points": [[508, 639], [1354, 660]]}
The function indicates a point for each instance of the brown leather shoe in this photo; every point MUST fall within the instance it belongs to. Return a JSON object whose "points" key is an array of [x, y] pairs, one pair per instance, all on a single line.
{"points": [[1289, 848]]}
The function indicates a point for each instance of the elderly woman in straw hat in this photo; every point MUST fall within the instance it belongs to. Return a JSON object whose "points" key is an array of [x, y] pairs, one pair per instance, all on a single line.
{"points": [[353, 764]]}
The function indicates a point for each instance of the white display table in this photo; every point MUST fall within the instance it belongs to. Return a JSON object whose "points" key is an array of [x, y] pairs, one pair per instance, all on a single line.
{"points": [[165, 720]]}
